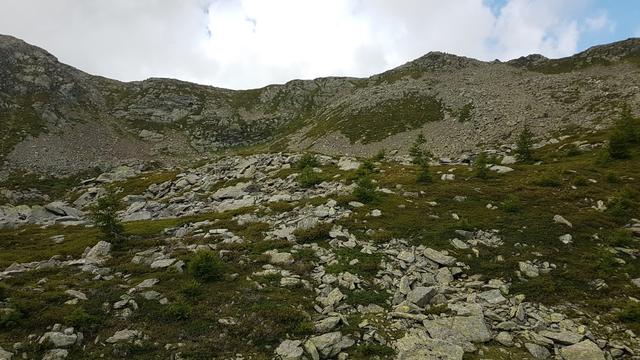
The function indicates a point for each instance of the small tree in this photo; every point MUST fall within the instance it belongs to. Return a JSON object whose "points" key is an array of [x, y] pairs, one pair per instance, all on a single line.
{"points": [[308, 177], [619, 145], [365, 190], [206, 266], [104, 215], [480, 166], [416, 151], [625, 134], [524, 145], [307, 160], [424, 173]]}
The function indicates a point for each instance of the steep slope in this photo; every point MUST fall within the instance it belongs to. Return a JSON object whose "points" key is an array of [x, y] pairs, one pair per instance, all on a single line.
{"points": [[57, 119]]}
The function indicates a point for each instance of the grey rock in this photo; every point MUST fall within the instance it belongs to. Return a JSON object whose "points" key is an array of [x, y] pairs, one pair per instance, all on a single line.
{"points": [[124, 336], [562, 337], [55, 354], [330, 344], [422, 295], [418, 346], [290, 350], [537, 351], [439, 257], [58, 339], [585, 350], [5, 355], [473, 328]]}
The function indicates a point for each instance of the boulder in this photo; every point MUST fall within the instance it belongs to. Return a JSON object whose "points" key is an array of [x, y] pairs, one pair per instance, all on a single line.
{"points": [[58, 339], [418, 346], [290, 350], [537, 351], [99, 253], [501, 169], [55, 354], [562, 337], [528, 269], [559, 219], [124, 336], [422, 295], [472, 328], [438, 257], [330, 344], [5, 355], [585, 350], [346, 164]]}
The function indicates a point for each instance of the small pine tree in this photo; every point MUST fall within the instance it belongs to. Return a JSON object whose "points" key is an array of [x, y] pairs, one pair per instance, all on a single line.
{"points": [[524, 145], [625, 134], [308, 178], [307, 160], [104, 215], [416, 151], [424, 173], [480, 166], [619, 145], [365, 190]]}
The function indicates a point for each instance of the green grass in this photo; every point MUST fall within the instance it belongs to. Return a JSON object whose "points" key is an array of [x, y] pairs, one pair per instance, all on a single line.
{"points": [[389, 117]]}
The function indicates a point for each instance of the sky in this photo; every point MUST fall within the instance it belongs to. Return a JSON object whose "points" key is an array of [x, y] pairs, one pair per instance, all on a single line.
{"points": [[242, 44]]}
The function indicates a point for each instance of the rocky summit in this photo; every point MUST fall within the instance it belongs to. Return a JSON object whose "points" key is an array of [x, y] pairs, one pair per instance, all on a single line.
{"points": [[410, 215]]}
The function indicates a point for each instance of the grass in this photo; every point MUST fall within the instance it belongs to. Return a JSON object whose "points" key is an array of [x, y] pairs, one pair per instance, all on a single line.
{"points": [[388, 117]]}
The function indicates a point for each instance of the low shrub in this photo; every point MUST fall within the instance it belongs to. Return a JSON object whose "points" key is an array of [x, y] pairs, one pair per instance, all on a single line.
{"points": [[512, 204], [177, 312], [365, 190], [205, 266], [308, 178], [307, 160], [314, 234]]}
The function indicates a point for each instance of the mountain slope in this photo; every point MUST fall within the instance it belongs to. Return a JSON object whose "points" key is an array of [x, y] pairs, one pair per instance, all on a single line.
{"points": [[57, 119]]}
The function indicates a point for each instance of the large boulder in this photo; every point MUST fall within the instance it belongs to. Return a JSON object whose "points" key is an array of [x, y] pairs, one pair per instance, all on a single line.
{"points": [[439, 257], [99, 253], [330, 344], [585, 350], [290, 350], [472, 328], [418, 346]]}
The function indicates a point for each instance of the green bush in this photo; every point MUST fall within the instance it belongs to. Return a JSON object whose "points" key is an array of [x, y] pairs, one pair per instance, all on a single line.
{"points": [[80, 319], [480, 166], [621, 238], [630, 313], [314, 234], [307, 160], [512, 204], [365, 190], [380, 155], [205, 266], [524, 145], [619, 147], [308, 178], [581, 181], [367, 297], [4, 291], [548, 182], [191, 289], [372, 351], [177, 312], [572, 150], [613, 178], [625, 135], [424, 174], [365, 169], [10, 318]]}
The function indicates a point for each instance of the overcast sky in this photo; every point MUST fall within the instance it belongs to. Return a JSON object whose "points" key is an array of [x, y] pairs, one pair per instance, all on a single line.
{"points": [[251, 43]]}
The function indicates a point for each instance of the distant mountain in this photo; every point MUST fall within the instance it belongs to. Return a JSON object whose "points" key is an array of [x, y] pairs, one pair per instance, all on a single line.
{"points": [[57, 119]]}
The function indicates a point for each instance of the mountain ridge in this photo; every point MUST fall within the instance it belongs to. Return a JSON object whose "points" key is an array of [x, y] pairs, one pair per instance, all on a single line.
{"points": [[442, 95]]}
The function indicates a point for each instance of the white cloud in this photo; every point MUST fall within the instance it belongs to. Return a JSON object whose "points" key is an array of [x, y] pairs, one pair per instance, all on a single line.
{"points": [[600, 22], [250, 43]]}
